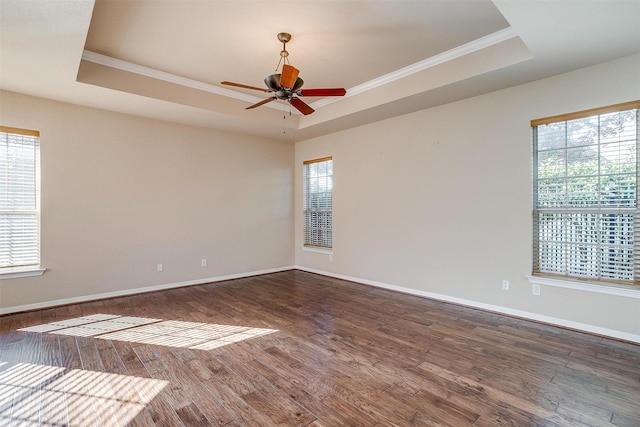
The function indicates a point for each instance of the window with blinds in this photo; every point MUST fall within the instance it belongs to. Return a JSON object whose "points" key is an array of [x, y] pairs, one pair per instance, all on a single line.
{"points": [[318, 202], [19, 198], [585, 175]]}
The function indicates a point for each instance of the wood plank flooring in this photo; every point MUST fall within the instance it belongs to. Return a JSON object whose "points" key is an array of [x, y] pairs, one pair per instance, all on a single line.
{"points": [[298, 349]]}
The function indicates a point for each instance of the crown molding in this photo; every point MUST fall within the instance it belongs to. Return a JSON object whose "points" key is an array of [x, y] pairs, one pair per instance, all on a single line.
{"points": [[450, 55], [130, 67]]}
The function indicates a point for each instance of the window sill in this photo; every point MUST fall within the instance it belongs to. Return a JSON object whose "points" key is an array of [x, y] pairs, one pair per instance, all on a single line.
{"points": [[609, 289], [19, 272], [318, 249]]}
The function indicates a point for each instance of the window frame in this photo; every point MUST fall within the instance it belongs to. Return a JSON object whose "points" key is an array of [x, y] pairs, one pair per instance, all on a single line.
{"points": [[576, 281], [314, 236], [26, 268]]}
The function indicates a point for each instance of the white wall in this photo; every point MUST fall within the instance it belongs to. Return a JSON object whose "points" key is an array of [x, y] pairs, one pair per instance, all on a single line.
{"points": [[121, 194], [438, 202]]}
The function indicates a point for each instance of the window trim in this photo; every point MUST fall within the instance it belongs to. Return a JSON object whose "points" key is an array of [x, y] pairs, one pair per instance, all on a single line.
{"points": [[321, 159], [305, 245], [20, 272], [629, 291], [318, 249], [586, 113], [30, 270], [611, 287]]}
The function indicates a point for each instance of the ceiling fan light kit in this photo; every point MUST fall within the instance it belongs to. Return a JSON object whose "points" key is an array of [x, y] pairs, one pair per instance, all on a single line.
{"points": [[287, 85]]}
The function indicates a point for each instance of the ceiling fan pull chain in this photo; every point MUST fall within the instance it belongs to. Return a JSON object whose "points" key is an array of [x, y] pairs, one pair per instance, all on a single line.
{"points": [[284, 118]]}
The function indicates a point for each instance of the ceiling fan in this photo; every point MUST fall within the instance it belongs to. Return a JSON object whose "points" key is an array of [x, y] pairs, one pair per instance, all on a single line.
{"points": [[287, 85]]}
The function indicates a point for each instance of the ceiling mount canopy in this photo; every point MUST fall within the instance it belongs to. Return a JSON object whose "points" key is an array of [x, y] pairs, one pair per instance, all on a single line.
{"points": [[287, 85]]}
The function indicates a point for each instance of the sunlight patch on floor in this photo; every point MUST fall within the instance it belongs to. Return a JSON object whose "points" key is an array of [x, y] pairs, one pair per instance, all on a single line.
{"points": [[172, 333], [41, 395]]}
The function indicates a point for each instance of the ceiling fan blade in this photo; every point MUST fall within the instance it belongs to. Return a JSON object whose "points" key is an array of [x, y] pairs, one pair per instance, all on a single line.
{"points": [[264, 101], [261, 89], [336, 91], [288, 76], [301, 106]]}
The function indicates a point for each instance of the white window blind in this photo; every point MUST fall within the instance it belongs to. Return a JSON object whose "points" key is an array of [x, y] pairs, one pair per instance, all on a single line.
{"points": [[19, 198], [318, 202], [585, 216]]}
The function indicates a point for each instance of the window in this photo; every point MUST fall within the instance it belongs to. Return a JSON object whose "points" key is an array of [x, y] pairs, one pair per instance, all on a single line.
{"points": [[317, 203], [585, 174], [19, 198]]}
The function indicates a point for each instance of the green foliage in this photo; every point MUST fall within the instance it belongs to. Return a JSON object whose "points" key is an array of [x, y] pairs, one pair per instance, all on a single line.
{"points": [[587, 162]]}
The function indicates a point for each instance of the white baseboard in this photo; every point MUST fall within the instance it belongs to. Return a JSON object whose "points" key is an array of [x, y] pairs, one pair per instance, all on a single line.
{"points": [[612, 333], [126, 292]]}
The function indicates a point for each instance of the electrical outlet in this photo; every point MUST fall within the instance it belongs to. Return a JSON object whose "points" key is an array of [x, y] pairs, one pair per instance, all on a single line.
{"points": [[505, 285], [203, 262], [535, 289], [159, 267]]}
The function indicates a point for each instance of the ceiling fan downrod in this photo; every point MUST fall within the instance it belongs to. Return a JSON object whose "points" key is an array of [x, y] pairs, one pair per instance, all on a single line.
{"points": [[284, 55]]}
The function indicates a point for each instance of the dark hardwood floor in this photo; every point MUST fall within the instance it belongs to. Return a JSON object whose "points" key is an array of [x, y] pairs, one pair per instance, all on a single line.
{"points": [[295, 348]]}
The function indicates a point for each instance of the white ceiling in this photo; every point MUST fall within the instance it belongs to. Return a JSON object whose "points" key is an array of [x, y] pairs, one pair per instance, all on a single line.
{"points": [[165, 59]]}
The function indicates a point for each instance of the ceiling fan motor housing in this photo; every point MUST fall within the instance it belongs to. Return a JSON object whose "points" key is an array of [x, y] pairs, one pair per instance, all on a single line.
{"points": [[283, 94], [273, 83]]}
